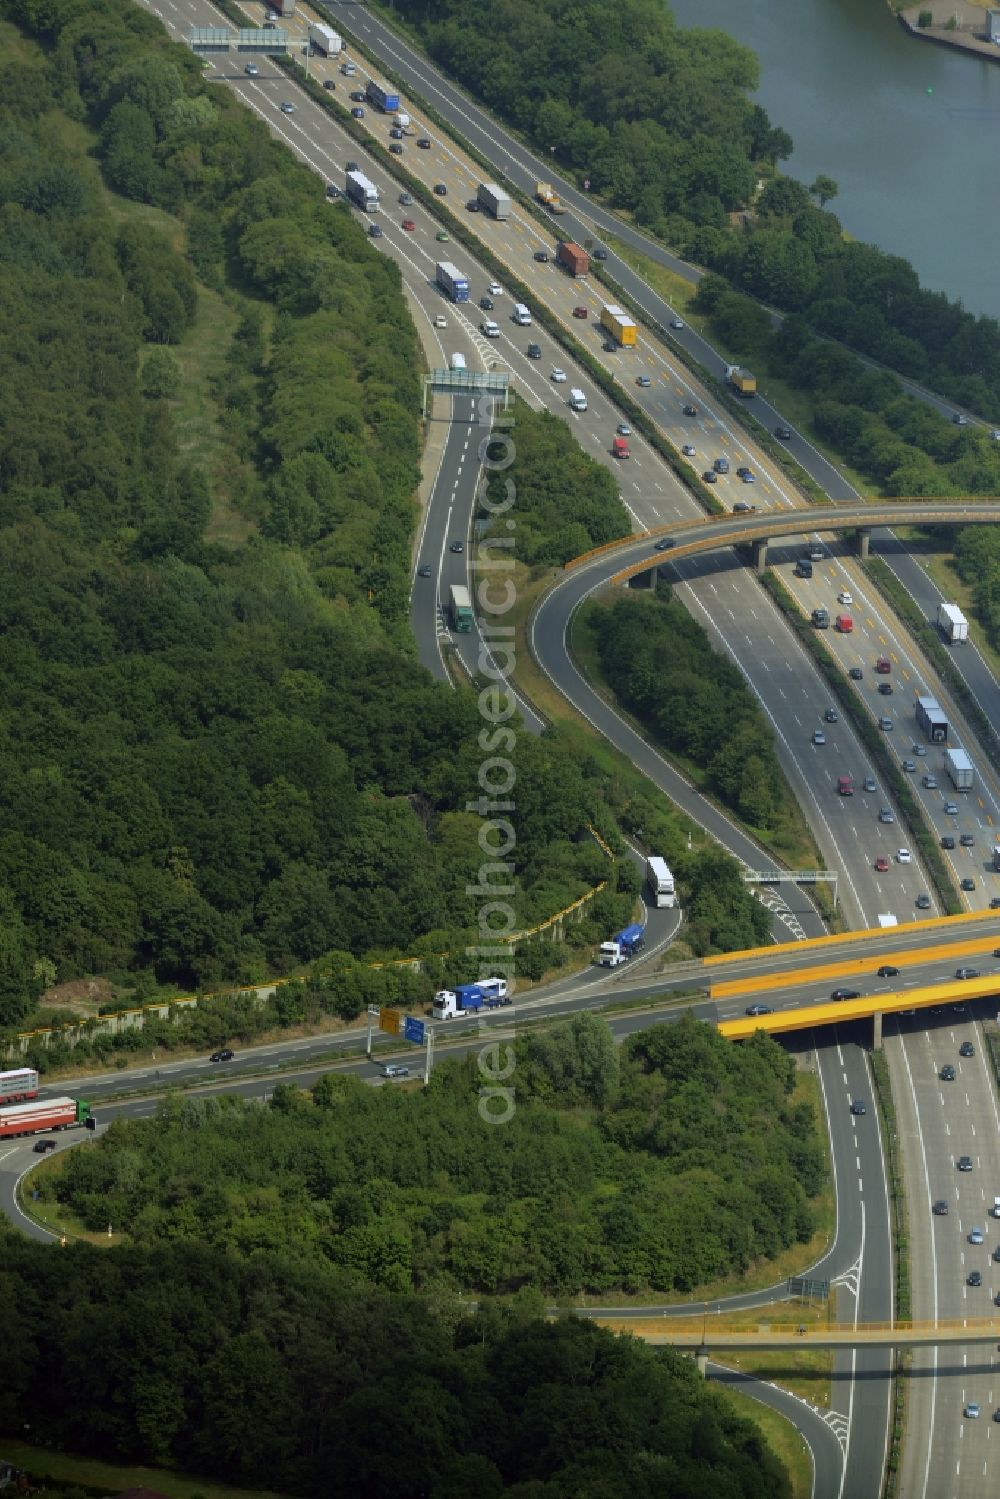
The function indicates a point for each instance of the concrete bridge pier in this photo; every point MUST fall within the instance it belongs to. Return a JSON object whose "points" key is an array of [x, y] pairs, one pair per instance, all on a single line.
{"points": [[701, 1359], [877, 1031], [864, 542], [760, 556], [643, 580]]}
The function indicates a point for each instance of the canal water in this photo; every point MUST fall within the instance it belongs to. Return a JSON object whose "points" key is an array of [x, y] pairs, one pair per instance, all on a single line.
{"points": [[908, 130]]}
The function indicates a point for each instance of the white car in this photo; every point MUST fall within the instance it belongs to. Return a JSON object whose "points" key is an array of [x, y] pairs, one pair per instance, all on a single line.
{"points": [[496, 290], [687, 450], [559, 376], [440, 321], [252, 70], [971, 1410], [677, 323], [287, 107], [843, 597], [489, 329], [976, 1236], [903, 856]]}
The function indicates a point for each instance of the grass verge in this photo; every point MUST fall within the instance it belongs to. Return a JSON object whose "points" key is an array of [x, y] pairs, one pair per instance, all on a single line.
{"points": [[65, 1469], [780, 1435], [901, 1250]]}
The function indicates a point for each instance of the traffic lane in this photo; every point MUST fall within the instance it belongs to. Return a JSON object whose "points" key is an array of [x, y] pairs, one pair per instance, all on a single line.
{"points": [[795, 700], [824, 1448], [17, 1157], [861, 648], [428, 599], [878, 633]]}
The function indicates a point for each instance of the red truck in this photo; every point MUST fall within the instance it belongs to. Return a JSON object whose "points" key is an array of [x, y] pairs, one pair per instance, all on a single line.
{"points": [[619, 448], [44, 1113], [844, 623], [845, 786], [573, 259], [883, 665]]}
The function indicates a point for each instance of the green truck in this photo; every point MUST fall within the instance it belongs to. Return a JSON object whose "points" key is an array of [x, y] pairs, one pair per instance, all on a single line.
{"points": [[461, 608]]}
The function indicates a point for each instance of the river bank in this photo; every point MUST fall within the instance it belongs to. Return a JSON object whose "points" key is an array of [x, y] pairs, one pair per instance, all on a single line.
{"points": [[955, 23]]}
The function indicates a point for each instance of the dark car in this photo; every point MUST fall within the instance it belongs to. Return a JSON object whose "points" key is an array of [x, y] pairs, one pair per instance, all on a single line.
{"points": [[974, 1278], [856, 674], [966, 973], [947, 841], [858, 1106], [967, 1049], [968, 840], [395, 149], [329, 85], [440, 189], [609, 346], [486, 303], [742, 470], [831, 715], [424, 143], [885, 689], [542, 256], [580, 312], [923, 901], [839, 994], [665, 544], [710, 476], [759, 1010], [375, 230], [947, 1073], [940, 1208], [783, 432], [225, 1055], [534, 351], [600, 253], [887, 971], [964, 1163], [457, 546], [968, 883], [42, 1147], [357, 112], [395, 133], [690, 410], [424, 570], [358, 95], [351, 166]]}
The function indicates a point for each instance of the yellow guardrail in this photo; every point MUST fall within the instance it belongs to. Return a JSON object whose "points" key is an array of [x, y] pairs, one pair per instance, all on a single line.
{"points": [[928, 924], [854, 967], [741, 1027]]}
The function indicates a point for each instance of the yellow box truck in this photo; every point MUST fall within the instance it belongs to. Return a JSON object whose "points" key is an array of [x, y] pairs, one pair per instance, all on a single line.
{"points": [[621, 327]]}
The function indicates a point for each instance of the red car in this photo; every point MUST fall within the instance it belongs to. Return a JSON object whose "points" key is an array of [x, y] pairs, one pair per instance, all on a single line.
{"points": [[881, 863], [580, 312], [409, 224]]}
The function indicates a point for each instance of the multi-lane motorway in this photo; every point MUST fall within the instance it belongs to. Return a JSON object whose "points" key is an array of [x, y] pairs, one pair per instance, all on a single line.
{"points": [[729, 602]]}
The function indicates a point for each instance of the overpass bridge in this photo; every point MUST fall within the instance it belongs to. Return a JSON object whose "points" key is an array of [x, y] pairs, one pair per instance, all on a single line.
{"points": [[708, 533], [707, 1333]]}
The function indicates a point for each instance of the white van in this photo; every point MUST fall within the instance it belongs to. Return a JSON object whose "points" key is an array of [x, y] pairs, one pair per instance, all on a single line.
{"points": [[577, 400], [457, 361], [522, 315]]}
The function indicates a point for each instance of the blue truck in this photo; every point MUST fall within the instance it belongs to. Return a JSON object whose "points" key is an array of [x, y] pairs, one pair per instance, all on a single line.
{"points": [[452, 280], [622, 946], [381, 98], [469, 999]]}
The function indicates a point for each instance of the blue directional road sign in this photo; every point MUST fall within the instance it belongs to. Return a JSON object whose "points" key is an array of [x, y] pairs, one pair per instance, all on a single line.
{"points": [[413, 1030]]}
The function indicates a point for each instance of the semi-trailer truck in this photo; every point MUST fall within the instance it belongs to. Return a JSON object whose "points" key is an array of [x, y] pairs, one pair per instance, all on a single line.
{"points": [[382, 98], [43, 1114], [452, 280], [952, 623], [932, 719], [362, 191], [621, 327], [324, 38], [493, 199], [572, 258], [18, 1086], [622, 946], [960, 768], [460, 608], [469, 999], [660, 881], [741, 380]]}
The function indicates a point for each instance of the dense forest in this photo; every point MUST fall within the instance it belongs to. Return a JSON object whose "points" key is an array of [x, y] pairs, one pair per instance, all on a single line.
{"points": [[658, 118], [219, 758], [285, 1374], [657, 1167]]}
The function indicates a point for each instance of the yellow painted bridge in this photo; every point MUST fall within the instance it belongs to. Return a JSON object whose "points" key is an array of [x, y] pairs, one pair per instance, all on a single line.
{"points": [[706, 1332]]}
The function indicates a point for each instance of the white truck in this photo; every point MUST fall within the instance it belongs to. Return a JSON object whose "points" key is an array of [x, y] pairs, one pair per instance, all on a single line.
{"points": [[325, 39], [469, 999], [960, 768], [493, 199], [952, 623], [660, 881], [362, 191]]}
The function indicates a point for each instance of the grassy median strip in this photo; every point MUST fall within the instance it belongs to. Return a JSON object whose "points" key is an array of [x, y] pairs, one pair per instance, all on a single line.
{"points": [[901, 1251]]}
